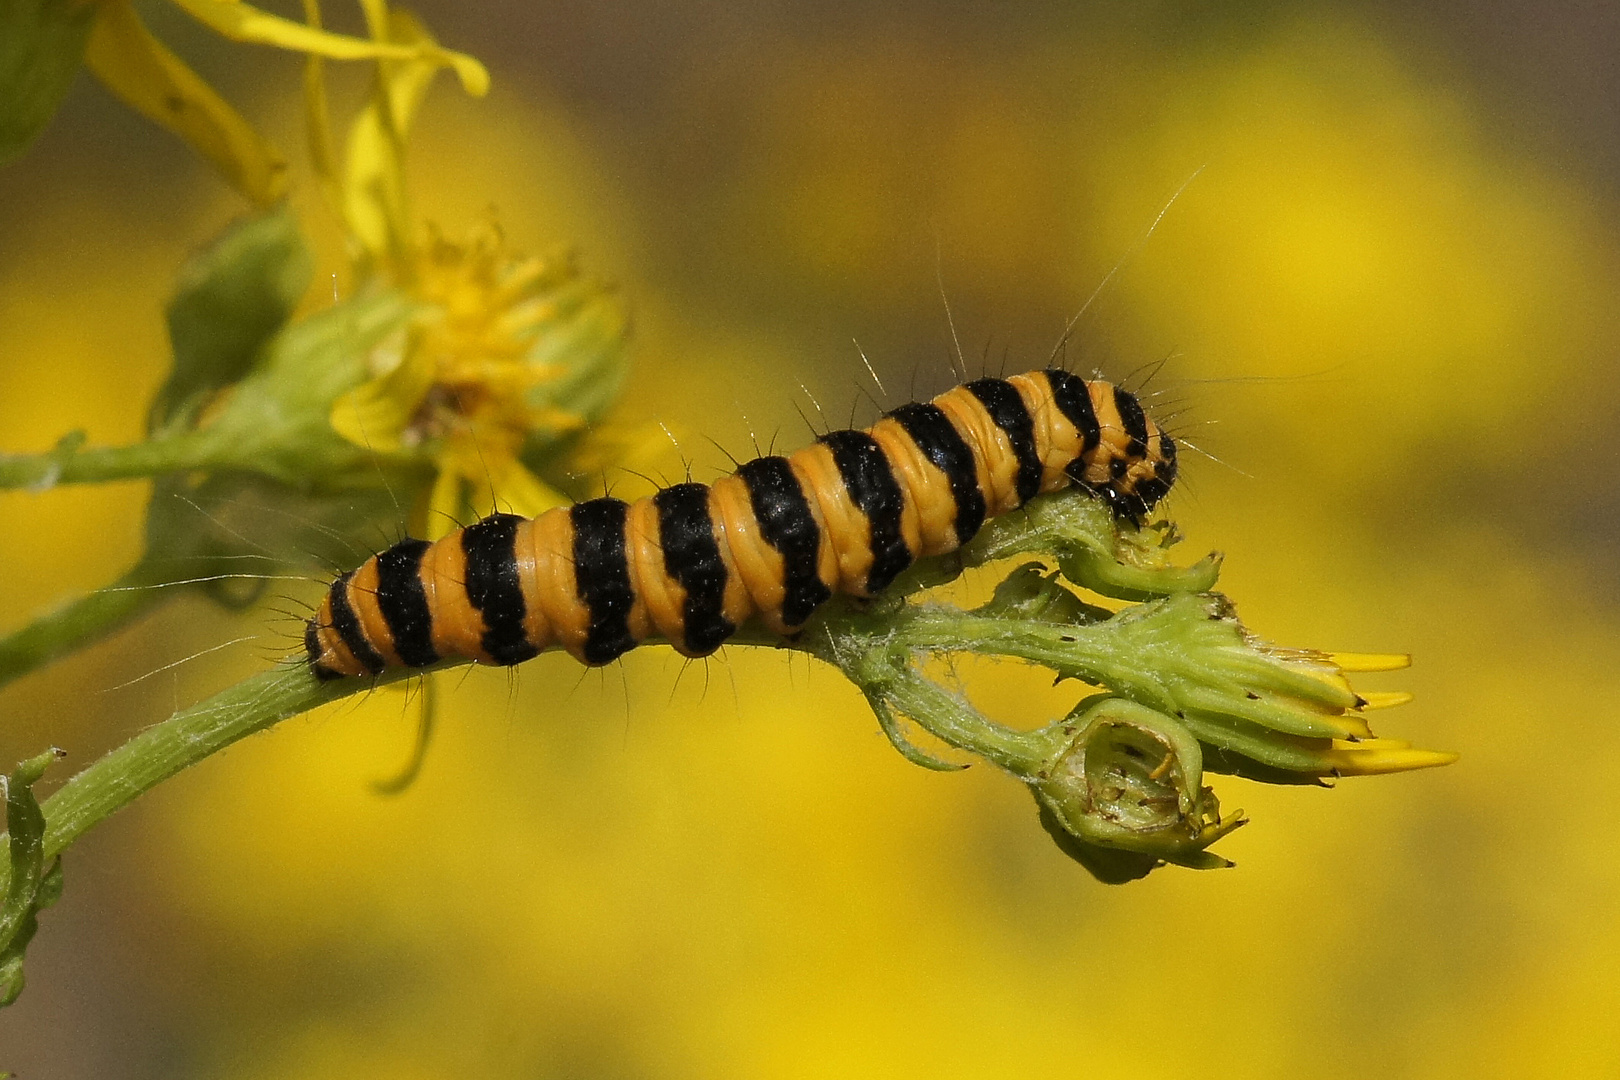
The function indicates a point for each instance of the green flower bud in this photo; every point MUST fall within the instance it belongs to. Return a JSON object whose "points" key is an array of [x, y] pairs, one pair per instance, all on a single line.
{"points": [[1119, 780]]}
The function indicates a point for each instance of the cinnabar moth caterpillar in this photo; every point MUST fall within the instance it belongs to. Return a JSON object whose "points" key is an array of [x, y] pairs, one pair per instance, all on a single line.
{"points": [[777, 538]]}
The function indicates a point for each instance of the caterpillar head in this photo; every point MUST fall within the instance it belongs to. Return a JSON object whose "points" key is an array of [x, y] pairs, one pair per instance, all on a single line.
{"points": [[1133, 463], [1148, 479]]}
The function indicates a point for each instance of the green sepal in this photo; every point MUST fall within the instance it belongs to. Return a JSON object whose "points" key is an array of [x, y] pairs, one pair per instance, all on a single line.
{"points": [[1307, 758], [890, 723], [1218, 759], [230, 301], [585, 341], [1032, 592], [41, 49], [1103, 572], [1205, 860], [1111, 866], [33, 885], [1096, 552], [276, 421]]}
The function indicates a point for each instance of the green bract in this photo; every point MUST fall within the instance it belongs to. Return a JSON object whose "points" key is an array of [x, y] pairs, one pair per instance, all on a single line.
{"points": [[35, 879]]}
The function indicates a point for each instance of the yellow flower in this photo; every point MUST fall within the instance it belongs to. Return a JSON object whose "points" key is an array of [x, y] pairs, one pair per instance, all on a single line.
{"points": [[138, 68], [473, 383], [507, 356]]}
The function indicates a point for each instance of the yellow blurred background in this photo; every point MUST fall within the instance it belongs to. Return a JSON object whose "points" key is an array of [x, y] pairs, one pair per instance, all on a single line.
{"points": [[1388, 306]]}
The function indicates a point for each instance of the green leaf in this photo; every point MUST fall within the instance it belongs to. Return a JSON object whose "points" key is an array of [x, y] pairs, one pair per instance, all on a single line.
{"points": [[231, 300], [33, 886], [41, 48]]}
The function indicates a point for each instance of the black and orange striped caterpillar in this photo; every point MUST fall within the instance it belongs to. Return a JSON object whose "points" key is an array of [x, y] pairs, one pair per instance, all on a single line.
{"points": [[777, 538]]}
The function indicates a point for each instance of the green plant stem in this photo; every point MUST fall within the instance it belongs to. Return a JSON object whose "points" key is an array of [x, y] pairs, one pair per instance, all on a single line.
{"points": [[80, 622], [1098, 654], [264, 700], [184, 739], [66, 465]]}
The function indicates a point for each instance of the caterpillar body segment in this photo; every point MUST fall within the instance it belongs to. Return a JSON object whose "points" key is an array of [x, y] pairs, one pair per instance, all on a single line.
{"points": [[775, 539]]}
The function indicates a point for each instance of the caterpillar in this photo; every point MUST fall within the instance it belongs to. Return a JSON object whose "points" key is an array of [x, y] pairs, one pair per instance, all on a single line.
{"points": [[776, 538]]}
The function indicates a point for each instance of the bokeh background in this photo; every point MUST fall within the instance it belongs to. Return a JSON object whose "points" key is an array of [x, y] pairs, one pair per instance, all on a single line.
{"points": [[1388, 304]]}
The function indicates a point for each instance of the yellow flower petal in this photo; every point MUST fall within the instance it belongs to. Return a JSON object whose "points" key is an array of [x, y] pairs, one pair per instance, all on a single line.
{"points": [[243, 22], [516, 490], [443, 510], [374, 184], [1383, 756], [376, 414], [318, 118], [373, 189], [376, 13], [1387, 699], [134, 65]]}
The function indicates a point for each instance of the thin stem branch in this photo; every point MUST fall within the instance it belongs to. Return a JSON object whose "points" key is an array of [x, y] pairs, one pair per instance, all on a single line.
{"points": [[70, 465], [80, 622], [184, 739], [948, 717]]}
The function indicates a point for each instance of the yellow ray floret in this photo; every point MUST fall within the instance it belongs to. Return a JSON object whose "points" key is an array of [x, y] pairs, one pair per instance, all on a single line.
{"points": [[147, 76], [1386, 700], [1371, 757], [156, 83], [243, 22]]}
